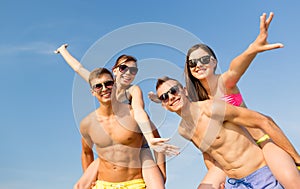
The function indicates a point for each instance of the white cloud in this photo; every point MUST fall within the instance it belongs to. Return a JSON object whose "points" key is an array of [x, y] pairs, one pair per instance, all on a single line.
{"points": [[43, 48]]}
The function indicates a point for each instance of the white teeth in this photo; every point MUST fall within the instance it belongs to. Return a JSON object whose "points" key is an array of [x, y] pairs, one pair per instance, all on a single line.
{"points": [[175, 102], [106, 95], [201, 71], [126, 79]]}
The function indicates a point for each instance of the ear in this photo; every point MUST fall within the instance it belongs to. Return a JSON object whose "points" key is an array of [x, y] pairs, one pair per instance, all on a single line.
{"points": [[164, 106], [93, 92], [214, 61], [185, 91], [115, 71]]}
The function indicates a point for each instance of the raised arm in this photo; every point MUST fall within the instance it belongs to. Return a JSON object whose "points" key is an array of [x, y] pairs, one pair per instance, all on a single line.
{"points": [[141, 117], [73, 62], [240, 64], [252, 119]]}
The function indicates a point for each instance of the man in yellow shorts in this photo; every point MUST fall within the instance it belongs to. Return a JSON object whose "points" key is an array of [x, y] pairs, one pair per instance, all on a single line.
{"points": [[117, 138]]}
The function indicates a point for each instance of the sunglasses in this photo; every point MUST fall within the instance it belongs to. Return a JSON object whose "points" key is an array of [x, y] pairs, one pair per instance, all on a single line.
{"points": [[99, 86], [132, 70], [165, 96], [203, 60]]}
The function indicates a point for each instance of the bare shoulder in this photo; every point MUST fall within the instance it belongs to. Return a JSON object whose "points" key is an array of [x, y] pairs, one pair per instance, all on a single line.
{"points": [[86, 121], [134, 89], [213, 107], [136, 94], [182, 129], [205, 105], [225, 83]]}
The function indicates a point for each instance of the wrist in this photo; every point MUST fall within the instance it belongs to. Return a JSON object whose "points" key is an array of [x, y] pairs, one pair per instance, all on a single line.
{"points": [[252, 50]]}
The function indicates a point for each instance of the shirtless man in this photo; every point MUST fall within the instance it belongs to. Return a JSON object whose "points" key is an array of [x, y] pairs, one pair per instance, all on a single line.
{"points": [[213, 127], [118, 147]]}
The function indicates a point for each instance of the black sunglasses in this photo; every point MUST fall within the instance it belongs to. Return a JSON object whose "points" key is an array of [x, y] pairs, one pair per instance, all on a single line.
{"points": [[99, 86], [203, 60], [165, 96], [132, 70]]}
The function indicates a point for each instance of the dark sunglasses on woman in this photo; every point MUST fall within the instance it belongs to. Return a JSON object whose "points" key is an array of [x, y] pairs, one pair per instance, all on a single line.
{"points": [[165, 96], [203, 60], [99, 86], [132, 70]]}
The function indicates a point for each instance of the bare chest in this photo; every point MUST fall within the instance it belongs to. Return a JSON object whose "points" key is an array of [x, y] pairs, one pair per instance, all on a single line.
{"points": [[207, 133], [105, 133]]}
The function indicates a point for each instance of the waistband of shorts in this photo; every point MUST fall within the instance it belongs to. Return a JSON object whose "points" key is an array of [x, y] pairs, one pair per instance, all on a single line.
{"points": [[125, 183], [263, 169]]}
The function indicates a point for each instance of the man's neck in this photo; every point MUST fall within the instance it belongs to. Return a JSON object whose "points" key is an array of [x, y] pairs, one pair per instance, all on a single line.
{"points": [[185, 112], [105, 110]]}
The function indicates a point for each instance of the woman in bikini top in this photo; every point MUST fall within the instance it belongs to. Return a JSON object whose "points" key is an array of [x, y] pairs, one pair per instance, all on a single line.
{"points": [[202, 83]]}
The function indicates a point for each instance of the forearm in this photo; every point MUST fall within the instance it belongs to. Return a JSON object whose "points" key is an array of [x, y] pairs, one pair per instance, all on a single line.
{"points": [[86, 160], [239, 65], [252, 119], [144, 123], [161, 163], [152, 174], [159, 157], [75, 64], [281, 139]]}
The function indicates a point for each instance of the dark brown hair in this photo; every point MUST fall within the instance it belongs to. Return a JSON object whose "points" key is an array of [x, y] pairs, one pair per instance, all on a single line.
{"points": [[194, 87], [161, 80], [123, 58]]}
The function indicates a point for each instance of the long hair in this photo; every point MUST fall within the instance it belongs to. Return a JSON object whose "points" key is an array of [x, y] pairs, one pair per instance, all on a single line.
{"points": [[194, 87]]}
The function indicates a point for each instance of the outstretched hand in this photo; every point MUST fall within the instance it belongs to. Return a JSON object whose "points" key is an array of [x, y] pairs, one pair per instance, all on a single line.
{"points": [[261, 44], [153, 97], [59, 49], [160, 145]]}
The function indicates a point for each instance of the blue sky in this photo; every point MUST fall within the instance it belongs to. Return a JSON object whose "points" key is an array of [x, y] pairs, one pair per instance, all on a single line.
{"points": [[40, 108]]}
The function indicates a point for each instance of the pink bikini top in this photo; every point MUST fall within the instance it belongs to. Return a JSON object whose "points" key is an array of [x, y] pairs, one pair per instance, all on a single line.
{"points": [[234, 99]]}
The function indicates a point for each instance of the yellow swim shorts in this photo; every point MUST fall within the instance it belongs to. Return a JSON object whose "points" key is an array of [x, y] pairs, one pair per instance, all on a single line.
{"points": [[132, 184]]}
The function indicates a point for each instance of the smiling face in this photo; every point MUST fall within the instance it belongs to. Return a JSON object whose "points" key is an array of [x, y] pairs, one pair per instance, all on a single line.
{"points": [[201, 64], [102, 88], [172, 95], [125, 75]]}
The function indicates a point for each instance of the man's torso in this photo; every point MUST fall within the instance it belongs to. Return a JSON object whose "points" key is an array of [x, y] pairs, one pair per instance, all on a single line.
{"points": [[117, 141], [226, 142]]}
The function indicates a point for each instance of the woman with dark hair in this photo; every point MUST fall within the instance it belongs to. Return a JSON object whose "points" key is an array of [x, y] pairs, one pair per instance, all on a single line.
{"points": [[203, 83]]}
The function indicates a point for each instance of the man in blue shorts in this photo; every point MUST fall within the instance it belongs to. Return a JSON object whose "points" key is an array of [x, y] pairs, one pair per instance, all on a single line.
{"points": [[214, 127]]}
